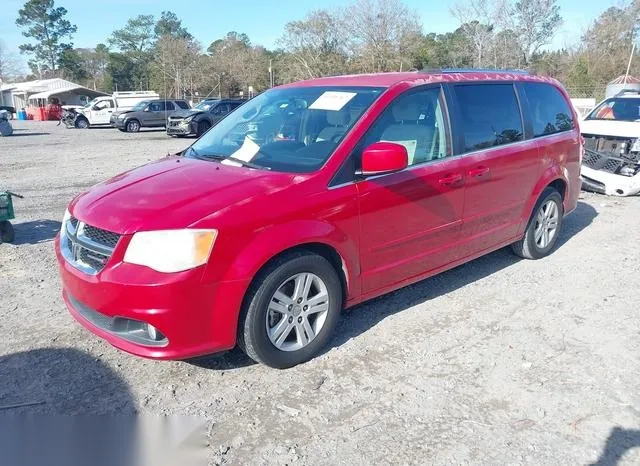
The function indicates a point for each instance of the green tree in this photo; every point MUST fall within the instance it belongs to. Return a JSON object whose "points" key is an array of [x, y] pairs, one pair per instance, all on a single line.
{"points": [[170, 25], [537, 21], [72, 66], [50, 31], [121, 73], [135, 42]]}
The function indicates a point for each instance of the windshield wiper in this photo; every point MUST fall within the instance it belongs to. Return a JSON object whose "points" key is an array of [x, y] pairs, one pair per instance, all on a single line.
{"points": [[220, 157]]}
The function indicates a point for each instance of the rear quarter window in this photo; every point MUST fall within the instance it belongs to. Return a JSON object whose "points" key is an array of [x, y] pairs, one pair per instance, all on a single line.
{"points": [[489, 115], [550, 112]]}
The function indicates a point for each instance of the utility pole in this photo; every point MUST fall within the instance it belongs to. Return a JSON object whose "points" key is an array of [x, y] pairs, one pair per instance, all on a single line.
{"points": [[270, 74], [633, 49]]}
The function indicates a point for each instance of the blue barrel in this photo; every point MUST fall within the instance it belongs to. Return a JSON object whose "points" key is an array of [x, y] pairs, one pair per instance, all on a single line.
{"points": [[22, 114]]}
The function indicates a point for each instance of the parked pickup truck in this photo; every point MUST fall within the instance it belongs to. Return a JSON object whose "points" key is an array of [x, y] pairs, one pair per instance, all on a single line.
{"points": [[98, 111]]}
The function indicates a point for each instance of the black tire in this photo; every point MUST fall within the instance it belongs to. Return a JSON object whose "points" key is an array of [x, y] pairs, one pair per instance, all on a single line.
{"points": [[132, 126], [81, 123], [527, 247], [203, 127], [7, 235], [252, 333]]}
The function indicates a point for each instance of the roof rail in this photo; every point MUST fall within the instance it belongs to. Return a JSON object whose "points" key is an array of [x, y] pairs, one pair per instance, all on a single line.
{"points": [[472, 70], [628, 91]]}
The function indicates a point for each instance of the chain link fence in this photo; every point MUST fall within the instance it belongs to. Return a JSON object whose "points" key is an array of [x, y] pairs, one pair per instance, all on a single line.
{"points": [[596, 91]]}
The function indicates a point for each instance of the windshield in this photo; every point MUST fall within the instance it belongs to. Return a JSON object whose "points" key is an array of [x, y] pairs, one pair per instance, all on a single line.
{"points": [[206, 104], [139, 106], [620, 109], [292, 129]]}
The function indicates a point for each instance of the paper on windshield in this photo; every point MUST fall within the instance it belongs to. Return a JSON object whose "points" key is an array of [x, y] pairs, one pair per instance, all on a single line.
{"points": [[332, 100], [247, 151]]}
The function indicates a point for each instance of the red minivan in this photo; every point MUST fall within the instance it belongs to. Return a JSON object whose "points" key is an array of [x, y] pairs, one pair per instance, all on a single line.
{"points": [[314, 197]]}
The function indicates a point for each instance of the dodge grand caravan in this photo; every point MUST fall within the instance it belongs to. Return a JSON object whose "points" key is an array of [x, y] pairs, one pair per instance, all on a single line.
{"points": [[314, 197]]}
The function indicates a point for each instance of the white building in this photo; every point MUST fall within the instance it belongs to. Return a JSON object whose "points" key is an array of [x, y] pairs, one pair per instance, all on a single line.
{"points": [[37, 93]]}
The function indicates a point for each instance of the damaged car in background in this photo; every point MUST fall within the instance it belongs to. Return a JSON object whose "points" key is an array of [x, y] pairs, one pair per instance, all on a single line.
{"points": [[611, 131]]}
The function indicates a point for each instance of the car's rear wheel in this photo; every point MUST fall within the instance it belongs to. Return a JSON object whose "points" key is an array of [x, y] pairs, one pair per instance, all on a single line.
{"points": [[133, 126], [291, 310], [544, 227], [203, 127], [82, 123]]}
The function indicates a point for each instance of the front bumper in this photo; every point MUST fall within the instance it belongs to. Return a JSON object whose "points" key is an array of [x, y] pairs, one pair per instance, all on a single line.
{"points": [[176, 128], [196, 318], [118, 123], [609, 183]]}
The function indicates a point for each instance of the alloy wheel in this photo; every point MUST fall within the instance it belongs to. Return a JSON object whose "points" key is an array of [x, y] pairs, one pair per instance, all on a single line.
{"points": [[546, 226], [297, 311]]}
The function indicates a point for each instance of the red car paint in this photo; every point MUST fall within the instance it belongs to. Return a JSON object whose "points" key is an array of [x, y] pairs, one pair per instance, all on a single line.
{"points": [[389, 231]]}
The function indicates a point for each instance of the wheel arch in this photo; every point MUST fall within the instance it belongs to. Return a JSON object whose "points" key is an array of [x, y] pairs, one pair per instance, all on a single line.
{"points": [[553, 177], [324, 250]]}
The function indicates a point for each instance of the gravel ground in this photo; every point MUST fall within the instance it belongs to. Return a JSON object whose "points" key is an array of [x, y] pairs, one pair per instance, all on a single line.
{"points": [[500, 361]]}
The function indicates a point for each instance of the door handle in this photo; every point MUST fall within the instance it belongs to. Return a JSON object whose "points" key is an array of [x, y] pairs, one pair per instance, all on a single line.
{"points": [[478, 172], [451, 180]]}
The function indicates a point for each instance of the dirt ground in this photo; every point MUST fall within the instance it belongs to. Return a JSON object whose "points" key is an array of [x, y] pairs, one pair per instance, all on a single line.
{"points": [[500, 361]]}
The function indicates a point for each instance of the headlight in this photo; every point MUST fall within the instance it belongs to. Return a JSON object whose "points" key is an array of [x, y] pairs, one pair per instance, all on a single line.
{"points": [[65, 218], [170, 250], [635, 146], [187, 120]]}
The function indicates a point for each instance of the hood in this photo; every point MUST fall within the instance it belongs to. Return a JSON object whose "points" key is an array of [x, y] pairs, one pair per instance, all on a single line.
{"points": [[121, 112], [624, 129], [185, 113], [175, 192]]}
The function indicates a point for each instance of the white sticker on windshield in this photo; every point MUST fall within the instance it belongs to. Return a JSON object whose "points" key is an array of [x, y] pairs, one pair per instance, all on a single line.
{"points": [[332, 100], [247, 151]]}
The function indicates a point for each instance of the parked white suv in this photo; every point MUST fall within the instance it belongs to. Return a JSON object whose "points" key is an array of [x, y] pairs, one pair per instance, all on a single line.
{"points": [[611, 164]]}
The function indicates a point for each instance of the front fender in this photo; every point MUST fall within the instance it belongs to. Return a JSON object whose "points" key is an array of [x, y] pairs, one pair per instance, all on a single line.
{"points": [[269, 242]]}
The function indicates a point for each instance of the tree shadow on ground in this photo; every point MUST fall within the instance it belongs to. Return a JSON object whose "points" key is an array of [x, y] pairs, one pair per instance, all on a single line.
{"points": [[34, 232], [362, 317], [27, 134], [619, 442]]}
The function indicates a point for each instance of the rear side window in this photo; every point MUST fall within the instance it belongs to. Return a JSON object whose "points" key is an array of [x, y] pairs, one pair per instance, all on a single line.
{"points": [[157, 106], [182, 104], [550, 112], [169, 106], [220, 109], [490, 115]]}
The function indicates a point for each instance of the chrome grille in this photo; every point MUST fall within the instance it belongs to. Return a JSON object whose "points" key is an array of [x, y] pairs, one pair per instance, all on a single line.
{"points": [[86, 247], [101, 236]]}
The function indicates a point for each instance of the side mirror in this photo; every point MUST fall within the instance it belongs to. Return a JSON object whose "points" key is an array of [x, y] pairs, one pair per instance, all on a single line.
{"points": [[146, 109], [384, 157]]}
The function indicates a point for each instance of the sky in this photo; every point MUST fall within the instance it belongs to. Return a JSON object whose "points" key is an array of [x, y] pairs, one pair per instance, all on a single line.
{"points": [[262, 20]]}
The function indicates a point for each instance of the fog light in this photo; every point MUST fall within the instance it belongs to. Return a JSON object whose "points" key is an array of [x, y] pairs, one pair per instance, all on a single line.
{"points": [[154, 333]]}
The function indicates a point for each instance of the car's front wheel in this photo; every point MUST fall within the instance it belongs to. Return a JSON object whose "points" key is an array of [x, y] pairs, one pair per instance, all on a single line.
{"points": [[82, 123], [291, 310], [133, 126], [544, 227]]}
